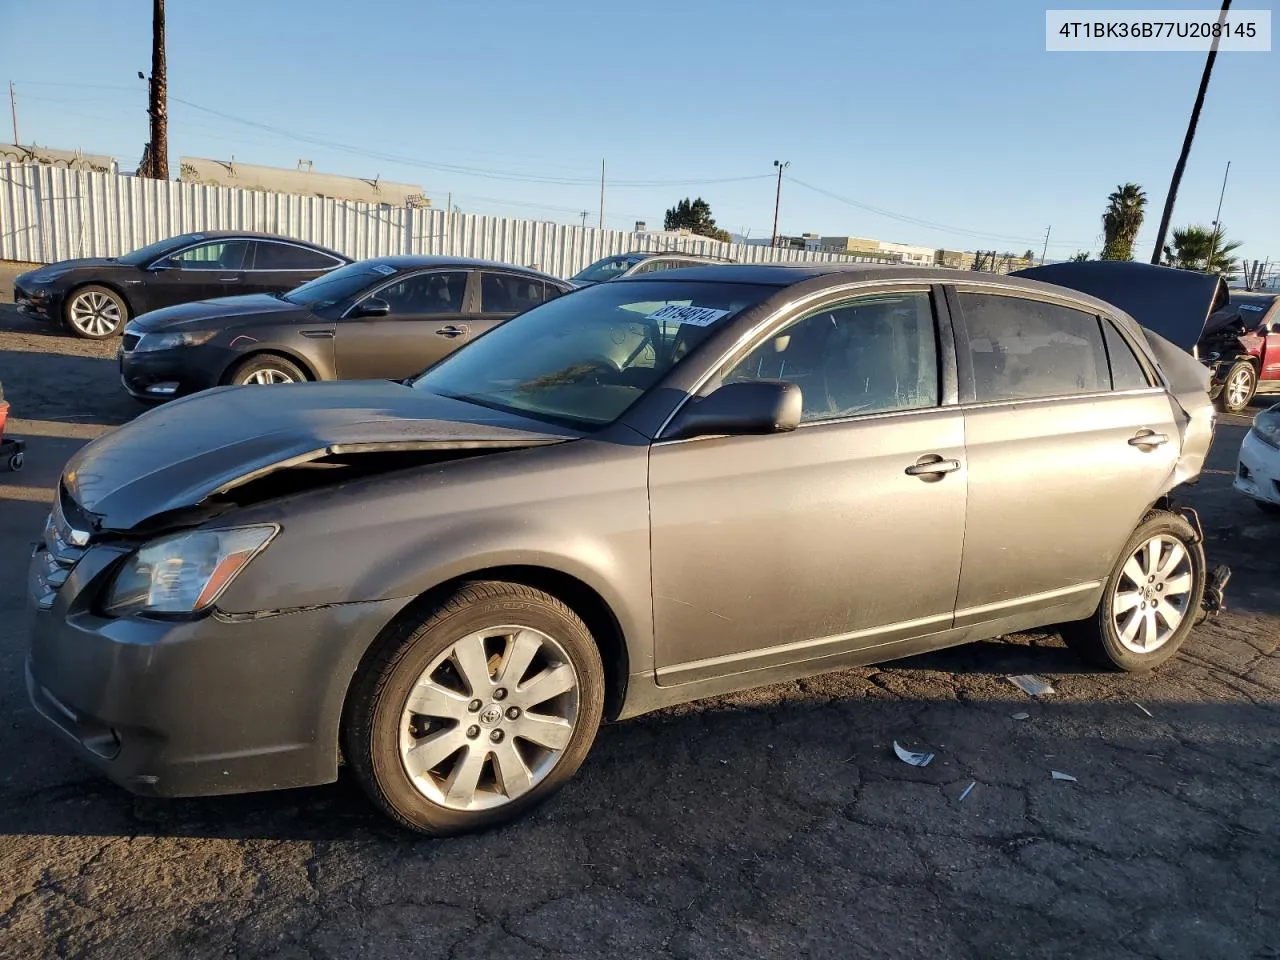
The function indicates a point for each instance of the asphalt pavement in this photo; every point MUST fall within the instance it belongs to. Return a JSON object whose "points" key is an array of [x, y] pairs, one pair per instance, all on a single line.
{"points": [[776, 823]]}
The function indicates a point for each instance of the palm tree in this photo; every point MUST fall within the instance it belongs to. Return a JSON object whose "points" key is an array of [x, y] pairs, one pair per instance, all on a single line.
{"points": [[1200, 248], [1122, 220]]}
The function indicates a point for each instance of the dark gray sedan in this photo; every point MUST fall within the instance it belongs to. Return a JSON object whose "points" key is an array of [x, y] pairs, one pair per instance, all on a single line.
{"points": [[655, 489]]}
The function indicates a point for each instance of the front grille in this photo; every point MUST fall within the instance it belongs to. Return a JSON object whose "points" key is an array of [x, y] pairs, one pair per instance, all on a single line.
{"points": [[130, 341], [61, 548]]}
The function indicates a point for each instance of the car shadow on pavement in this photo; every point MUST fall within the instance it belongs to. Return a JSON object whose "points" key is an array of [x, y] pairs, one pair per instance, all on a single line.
{"points": [[63, 388]]}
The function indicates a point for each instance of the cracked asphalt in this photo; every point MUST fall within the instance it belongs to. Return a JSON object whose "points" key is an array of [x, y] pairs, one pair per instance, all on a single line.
{"points": [[776, 823]]}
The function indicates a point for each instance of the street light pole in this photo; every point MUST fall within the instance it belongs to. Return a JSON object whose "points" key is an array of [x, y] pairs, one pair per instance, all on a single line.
{"points": [[777, 200]]}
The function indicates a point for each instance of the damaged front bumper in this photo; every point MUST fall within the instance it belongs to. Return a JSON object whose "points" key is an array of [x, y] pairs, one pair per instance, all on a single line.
{"points": [[193, 707]]}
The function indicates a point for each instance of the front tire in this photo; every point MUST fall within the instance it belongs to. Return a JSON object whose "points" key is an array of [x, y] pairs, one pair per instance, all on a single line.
{"points": [[95, 313], [475, 712], [266, 370], [1151, 600], [1238, 388]]}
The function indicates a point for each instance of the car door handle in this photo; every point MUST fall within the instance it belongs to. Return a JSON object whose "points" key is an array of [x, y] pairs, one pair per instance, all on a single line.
{"points": [[1147, 438], [932, 467], [451, 331], [317, 334], [228, 279]]}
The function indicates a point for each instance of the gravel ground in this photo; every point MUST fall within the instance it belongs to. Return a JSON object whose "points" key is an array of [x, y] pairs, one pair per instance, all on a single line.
{"points": [[774, 824]]}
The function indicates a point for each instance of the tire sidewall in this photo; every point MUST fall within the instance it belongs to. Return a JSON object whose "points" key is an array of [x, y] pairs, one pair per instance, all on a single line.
{"points": [[1253, 386], [1161, 523], [265, 361], [120, 303], [427, 644]]}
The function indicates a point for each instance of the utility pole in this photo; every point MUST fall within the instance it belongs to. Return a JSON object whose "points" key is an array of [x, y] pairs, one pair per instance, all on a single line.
{"points": [[157, 155], [1045, 252], [601, 195], [777, 200], [584, 217], [1181, 165], [1217, 222], [13, 111]]}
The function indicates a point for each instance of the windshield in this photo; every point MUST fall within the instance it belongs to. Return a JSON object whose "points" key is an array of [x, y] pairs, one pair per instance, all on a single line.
{"points": [[338, 285], [154, 251], [606, 269], [584, 359]]}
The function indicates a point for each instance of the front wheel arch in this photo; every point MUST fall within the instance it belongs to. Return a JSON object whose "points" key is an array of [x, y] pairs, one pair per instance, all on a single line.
{"points": [[293, 358]]}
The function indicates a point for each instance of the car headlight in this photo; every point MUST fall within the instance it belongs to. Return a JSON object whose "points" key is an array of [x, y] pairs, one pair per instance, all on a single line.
{"points": [[167, 341], [1267, 426], [185, 573]]}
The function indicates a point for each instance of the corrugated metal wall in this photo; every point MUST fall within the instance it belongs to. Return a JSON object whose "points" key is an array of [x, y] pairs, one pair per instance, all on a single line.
{"points": [[49, 214]]}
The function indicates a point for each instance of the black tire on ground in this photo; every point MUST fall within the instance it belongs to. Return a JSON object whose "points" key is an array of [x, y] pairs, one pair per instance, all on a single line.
{"points": [[266, 367], [1241, 381], [93, 312], [1271, 508], [1097, 639], [376, 703]]}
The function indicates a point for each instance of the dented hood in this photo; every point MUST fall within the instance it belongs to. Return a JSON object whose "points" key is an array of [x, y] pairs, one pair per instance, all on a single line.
{"points": [[179, 454]]}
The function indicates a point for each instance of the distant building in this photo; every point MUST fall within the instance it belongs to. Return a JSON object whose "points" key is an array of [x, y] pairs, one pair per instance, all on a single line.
{"points": [[246, 176], [70, 159], [867, 247]]}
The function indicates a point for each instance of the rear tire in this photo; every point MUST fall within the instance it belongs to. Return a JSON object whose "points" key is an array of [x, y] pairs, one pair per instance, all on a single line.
{"points": [[448, 727], [266, 369], [1269, 508], [1238, 387], [1150, 602]]}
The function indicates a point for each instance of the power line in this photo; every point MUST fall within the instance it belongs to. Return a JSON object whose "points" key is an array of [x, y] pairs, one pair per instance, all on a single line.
{"points": [[919, 222]]}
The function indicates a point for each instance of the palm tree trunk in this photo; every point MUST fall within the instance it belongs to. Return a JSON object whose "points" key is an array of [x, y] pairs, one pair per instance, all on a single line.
{"points": [[1186, 142]]}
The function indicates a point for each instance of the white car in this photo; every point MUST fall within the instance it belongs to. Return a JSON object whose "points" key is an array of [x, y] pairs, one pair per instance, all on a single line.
{"points": [[1258, 473]]}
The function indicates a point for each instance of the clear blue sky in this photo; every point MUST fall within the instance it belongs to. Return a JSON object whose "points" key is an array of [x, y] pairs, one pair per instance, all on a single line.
{"points": [[946, 112]]}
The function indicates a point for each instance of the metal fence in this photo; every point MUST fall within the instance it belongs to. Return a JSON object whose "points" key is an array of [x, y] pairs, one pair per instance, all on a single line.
{"points": [[49, 214]]}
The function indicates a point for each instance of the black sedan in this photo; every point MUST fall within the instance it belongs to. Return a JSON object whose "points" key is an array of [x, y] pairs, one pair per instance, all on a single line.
{"points": [[386, 318], [95, 297]]}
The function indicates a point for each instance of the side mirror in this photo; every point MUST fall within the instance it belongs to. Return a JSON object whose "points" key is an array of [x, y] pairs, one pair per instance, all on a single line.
{"points": [[373, 307], [739, 409]]}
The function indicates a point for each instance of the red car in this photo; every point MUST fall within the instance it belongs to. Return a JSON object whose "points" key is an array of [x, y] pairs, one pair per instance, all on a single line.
{"points": [[1252, 320]]}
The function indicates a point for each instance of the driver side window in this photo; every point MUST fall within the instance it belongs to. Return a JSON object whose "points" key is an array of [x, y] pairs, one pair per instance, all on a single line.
{"points": [[440, 292], [871, 354], [218, 255]]}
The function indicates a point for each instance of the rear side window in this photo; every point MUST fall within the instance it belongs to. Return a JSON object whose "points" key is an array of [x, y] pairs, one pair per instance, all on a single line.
{"points": [[1126, 371], [1024, 349], [285, 256], [550, 291], [508, 293]]}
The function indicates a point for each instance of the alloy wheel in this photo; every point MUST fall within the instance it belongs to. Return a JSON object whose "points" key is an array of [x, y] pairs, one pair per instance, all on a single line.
{"points": [[489, 718], [95, 314], [1238, 388], [1152, 594], [266, 376]]}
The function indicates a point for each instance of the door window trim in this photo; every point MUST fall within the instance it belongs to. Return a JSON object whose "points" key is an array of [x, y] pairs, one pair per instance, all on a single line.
{"points": [[400, 277], [253, 240], [479, 272], [797, 309], [968, 393], [205, 243]]}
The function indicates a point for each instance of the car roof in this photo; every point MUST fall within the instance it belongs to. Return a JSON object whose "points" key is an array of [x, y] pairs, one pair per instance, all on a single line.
{"points": [[414, 262], [254, 235], [820, 275]]}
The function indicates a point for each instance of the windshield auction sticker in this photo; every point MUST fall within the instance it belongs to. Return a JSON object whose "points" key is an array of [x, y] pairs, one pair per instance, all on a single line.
{"points": [[1235, 31], [691, 316]]}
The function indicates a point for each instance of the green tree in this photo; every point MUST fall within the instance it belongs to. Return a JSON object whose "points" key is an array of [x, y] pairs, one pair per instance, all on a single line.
{"points": [[1080, 256], [695, 216], [1122, 220], [1029, 255], [1199, 248]]}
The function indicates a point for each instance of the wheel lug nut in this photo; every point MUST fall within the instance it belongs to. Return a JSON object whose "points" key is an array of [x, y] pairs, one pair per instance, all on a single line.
{"points": [[500, 694], [473, 731], [496, 736], [1159, 587], [474, 706], [513, 713], [1151, 579]]}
